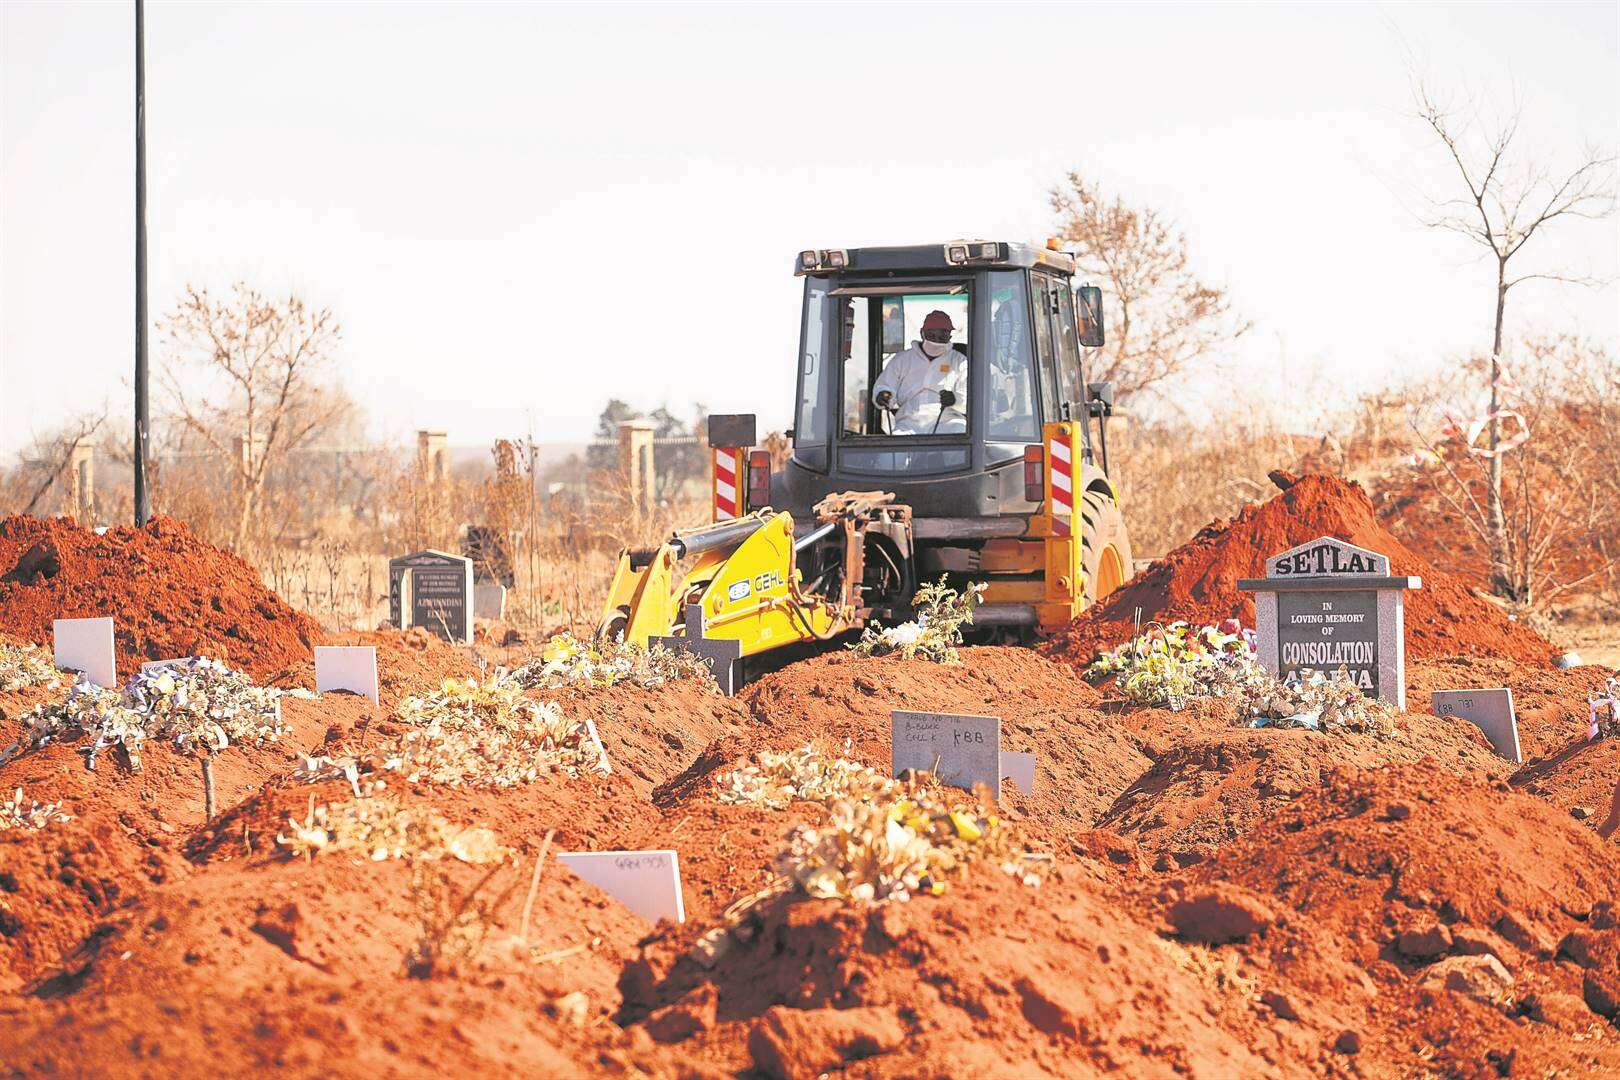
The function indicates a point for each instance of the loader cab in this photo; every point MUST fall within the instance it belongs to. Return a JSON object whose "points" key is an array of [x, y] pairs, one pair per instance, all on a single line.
{"points": [[950, 435]]}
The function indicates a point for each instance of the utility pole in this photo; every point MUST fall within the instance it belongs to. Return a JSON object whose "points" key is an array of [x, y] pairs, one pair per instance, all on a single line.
{"points": [[143, 498]]}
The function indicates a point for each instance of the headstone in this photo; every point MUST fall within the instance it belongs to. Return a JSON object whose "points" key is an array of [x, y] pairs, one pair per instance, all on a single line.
{"points": [[492, 562], [646, 882], [961, 750], [86, 645], [1329, 604], [489, 600], [1020, 769], [347, 667], [1490, 710], [433, 589]]}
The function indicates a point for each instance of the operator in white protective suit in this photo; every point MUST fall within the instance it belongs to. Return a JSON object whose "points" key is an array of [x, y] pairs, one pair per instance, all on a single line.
{"points": [[925, 386]]}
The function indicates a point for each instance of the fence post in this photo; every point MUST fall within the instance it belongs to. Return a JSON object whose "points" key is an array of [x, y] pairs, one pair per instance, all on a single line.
{"points": [[636, 463], [82, 481], [432, 457]]}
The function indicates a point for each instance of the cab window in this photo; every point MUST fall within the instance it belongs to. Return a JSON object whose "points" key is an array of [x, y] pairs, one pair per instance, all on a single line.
{"points": [[1068, 353], [811, 423], [1011, 399], [1043, 346], [890, 385]]}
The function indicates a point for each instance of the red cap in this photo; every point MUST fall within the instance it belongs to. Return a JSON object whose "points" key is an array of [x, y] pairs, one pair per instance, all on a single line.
{"points": [[937, 320]]}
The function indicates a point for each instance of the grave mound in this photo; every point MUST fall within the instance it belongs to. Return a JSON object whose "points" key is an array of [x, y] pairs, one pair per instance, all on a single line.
{"points": [[1218, 780], [409, 662], [168, 593], [1198, 581], [1389, 886], [841, 703], [300, 965], [992, 976]]}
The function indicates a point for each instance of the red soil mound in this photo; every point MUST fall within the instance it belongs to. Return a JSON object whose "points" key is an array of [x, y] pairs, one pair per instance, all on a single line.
{"points": [[1198, 581], [168, 593], [841, 703], [990, 979], [408, 662], [1218, 780], [301, 965], [1381, 892]]}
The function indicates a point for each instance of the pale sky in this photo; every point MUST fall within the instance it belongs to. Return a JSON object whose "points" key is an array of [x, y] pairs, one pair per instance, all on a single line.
{"points": [[521, 210]]}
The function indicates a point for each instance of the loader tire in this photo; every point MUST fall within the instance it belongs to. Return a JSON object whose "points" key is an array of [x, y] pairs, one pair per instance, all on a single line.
{"points": [[1105, 550]]}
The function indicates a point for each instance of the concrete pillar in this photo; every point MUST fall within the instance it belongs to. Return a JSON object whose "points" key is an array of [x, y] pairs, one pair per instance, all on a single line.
{"points": [[82, 481], [636, 462], [433, 456]]}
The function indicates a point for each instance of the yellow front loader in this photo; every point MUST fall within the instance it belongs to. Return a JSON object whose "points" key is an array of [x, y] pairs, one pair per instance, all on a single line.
{"points": [[999, 477]]}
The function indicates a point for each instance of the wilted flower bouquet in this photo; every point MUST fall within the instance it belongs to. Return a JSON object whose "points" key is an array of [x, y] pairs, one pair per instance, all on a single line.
{"points": [[1166, 666], [198, 704], [886, 839], [22, 666], [936, 631], [567, 661]]}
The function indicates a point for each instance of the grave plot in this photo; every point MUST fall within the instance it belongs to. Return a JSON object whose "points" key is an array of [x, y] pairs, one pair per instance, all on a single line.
{"points": [[1375, 892]]}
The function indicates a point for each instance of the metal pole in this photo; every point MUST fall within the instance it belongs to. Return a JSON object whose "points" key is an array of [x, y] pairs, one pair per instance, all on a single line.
{"points": [[143, 500]]}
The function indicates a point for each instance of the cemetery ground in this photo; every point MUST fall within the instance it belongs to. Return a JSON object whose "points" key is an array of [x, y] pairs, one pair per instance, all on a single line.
{"points": [[379, 888]]}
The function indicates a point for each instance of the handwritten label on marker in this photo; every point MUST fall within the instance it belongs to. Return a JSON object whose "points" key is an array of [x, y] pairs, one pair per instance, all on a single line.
{"points": [[961, 750], [1490, 710], [1020, 769], [347, 667], [87, 645], [646, 882]]}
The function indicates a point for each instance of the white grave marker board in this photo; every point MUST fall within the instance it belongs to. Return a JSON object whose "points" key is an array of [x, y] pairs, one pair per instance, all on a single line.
{"points": [[961, 750], [1490, 710], [646, 882], [87, 645], [1020, 769], [347, 667]]}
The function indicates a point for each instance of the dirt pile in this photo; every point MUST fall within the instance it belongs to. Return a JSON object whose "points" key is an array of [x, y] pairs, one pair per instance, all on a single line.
{"points": [[1198, 581], [168, 593], [1431, 918]]}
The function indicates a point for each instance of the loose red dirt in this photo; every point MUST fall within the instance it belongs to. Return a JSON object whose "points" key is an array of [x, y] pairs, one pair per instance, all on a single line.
{"points": [[1223, 901], [168, 593], [1198, 581]]}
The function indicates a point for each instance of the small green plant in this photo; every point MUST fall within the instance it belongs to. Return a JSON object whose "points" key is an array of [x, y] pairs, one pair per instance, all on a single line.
{"points": [[936, 631], [1166, 666]]}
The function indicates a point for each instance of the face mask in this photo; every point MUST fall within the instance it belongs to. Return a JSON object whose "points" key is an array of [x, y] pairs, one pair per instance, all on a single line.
{"points": [[936, 349]]}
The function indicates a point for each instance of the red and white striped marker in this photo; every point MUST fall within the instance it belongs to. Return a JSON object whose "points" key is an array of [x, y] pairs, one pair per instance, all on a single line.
{"points": [[727, 468], [1059, 454]]}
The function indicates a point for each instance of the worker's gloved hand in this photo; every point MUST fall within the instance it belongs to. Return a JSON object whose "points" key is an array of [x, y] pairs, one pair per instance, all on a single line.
{"points": [[947, 398], [884, 399]]}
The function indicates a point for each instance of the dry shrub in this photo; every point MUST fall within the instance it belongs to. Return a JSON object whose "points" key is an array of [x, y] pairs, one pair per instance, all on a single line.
{"points": [[1174, 479]]}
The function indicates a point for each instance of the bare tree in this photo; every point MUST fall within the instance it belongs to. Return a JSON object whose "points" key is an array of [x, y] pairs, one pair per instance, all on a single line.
{"points": [[44, 463], [1561, 494], [244, 376], [1509, 198], [1167, 317]]}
